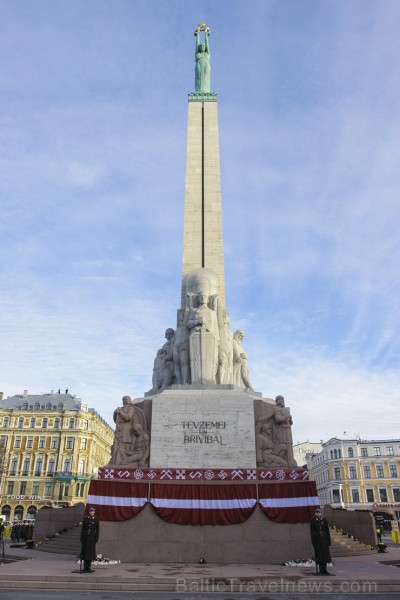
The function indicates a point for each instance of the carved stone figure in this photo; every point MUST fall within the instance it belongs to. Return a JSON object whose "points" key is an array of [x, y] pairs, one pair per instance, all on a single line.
{"points": [[202, 55], [283, 429], [268, 454], [158, 368], [204, 316], [180, 350], [168, 364], [204, 338], [137, 453], [240, 370], [225, 351], [127, 418]]}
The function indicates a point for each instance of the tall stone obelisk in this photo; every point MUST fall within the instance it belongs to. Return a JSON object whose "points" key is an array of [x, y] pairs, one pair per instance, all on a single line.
{"points": [[202, 230]]}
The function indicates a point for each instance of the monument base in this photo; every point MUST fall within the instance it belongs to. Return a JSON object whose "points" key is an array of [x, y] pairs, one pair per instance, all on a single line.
{"points": [[178, 515], [149, 539]]}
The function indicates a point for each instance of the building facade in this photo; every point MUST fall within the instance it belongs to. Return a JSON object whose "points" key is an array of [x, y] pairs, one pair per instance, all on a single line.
{"points": [[358, 474], [50, 447], [301, 450]]}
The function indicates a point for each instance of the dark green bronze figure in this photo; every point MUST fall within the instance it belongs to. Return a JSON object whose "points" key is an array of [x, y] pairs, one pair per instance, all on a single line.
{"points": [[202, 55]]}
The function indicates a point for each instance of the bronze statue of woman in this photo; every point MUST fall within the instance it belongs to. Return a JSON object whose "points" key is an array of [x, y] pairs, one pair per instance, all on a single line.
{"points": [[202, 55]]}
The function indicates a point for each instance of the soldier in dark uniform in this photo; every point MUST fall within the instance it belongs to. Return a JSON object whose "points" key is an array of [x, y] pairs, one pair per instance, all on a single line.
{"points": [[89, 538], [321, 540]]}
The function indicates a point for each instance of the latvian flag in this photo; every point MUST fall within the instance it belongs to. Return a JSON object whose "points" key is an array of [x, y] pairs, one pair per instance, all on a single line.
{"points": [[116, 501], [203, 504], [288, 502]]}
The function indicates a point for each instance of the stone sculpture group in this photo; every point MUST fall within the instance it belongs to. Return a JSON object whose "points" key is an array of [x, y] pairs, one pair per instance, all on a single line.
{"points": [[202, 349]]}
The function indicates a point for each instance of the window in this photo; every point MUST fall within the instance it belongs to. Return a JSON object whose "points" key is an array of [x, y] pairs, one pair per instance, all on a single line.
{"points": [[3, 441], [364, 451], [83, 443], [335, 496], [48, 489], [54, 443], [86, 424], [367, 471], [350, 452], [67, 465], [383, 494], [355, 494], [389, 450], [13, 465], [72, 423], [353, 472], [82, 490], [70, 443], [37, 406], [39, 466], [22, 488], [25, 467], [10, 488], [32, 423], [377, 451], [337, 472], [370, 495], [17, 441], [6, 422], [29, 442], [57, 423], [339, 453], [335, 453], [35, 489], [81, 467], [379, 471], [20, 422], [44, 422], [396, 494], [393, 470], [51, 467], [42, 442]]}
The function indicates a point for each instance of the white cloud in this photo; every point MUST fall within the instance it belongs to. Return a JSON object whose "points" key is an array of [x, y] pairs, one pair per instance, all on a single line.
{"points": [[84, 176]]}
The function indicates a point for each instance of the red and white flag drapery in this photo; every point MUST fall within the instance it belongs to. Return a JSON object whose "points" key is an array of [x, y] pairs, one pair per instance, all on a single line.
{"points": [[115, 501], [288, 502], [203, 504]]}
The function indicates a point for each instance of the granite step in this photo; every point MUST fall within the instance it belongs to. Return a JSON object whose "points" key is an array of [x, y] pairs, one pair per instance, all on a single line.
{"points": [[345, 546], [66, 543], [90, 581]]}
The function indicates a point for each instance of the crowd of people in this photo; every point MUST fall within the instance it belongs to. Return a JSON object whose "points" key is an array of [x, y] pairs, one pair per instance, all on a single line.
{"points": [[21, 531]]}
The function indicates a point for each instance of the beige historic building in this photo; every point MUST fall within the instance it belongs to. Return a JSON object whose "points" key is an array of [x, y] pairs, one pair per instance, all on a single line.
{"points": [[50, 447], [353, 473], [300, 451]]}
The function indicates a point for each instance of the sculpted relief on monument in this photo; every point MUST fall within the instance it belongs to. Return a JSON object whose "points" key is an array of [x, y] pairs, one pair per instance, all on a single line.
{"points": [[274, 443], [131, 446], [202, 349]]}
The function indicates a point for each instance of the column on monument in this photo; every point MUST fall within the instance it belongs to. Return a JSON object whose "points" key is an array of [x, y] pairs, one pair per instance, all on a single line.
{"points": [[202, 232]]}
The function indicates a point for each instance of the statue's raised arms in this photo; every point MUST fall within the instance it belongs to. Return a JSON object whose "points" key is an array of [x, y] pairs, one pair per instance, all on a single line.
{"points": [[202, 56]]}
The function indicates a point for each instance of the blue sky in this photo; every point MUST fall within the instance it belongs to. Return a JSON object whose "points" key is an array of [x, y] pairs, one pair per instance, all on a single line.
{"points": [[93, 114]]}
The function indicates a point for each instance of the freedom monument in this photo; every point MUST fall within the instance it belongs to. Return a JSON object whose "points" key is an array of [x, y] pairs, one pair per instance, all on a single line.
{"points": [[203, 460]]}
